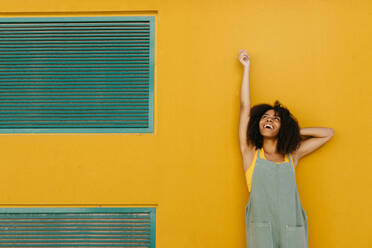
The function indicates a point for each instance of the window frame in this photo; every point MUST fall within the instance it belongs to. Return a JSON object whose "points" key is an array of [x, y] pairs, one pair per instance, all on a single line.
{"points": [[151, 211], [149, 129]]}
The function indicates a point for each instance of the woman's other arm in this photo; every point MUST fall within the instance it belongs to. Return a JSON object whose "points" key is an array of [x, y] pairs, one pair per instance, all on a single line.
{"points": [[315, 138], [245, 148]]}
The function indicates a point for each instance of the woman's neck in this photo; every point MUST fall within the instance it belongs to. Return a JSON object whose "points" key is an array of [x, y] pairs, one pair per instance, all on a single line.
{"points": [[271, 153], [269, 146]]}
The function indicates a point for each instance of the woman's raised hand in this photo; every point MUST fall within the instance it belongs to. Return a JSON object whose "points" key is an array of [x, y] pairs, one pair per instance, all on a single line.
{"points": [[244, 58]]}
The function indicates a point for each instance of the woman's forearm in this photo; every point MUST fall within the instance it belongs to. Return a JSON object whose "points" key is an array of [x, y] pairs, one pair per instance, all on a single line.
{"points": [[244, 93], [317, 132]]}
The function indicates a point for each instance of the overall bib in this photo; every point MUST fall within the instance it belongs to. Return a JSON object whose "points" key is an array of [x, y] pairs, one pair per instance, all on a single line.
{"points": [[274, 216]]}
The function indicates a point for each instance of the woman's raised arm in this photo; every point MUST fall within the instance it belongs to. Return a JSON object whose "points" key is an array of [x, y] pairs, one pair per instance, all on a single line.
{"points": [[244, 94], [245, 148], [318, 136]]}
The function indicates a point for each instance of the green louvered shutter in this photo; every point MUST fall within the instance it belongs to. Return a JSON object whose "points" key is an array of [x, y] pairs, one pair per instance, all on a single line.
{"points": [[77, 75], [77, 227]]}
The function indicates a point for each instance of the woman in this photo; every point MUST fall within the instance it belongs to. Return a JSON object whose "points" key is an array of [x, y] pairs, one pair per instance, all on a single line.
{"points": [[272, 144]]}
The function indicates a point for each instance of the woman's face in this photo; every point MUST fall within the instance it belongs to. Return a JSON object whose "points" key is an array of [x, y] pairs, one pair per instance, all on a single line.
{"points": [[270, 124]]}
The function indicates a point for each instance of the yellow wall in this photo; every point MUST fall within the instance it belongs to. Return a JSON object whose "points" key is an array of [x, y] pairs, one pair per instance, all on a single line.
{"points": [[314, 56]]}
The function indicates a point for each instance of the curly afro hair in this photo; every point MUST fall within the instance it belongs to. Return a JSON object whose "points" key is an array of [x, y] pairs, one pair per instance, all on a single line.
{"points": [[289, 136]]}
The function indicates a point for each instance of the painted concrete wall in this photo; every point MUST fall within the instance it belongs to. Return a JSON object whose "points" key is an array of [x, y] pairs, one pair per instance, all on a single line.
{"points": [[314, 56]]}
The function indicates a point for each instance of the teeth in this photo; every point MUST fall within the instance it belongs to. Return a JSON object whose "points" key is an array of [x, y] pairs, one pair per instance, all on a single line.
{"points": [[268, 125]]}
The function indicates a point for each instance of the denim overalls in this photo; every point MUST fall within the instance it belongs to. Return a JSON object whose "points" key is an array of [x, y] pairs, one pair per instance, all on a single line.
{"points": [[274, 216]]}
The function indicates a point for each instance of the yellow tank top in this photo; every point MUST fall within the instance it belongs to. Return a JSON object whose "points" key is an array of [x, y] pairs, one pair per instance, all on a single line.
{"points": [[249, 171]]}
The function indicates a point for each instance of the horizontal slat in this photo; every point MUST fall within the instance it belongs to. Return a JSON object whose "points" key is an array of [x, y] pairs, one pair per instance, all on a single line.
{"points": [[81, 241], [66, 109], [33, 105], [83, 53], [140, 78], [56, 101], [72, 87], [128, 49], [80, 213], [111, 66], [41, 29], [67, 98], [76, 64], [102, 233], [3, 32], [144, 238], [33, 90], [84, 93], [138, 120], [74, 24], [82, 56], [72, 126], [73, 122], [8, 226], [73, 42], [78, 39], [74, 220], [124, 74], [43, 229], [75, 83], [137, 69], [80, 36], [76, 112], [74, 46], [73, 245], [71, 60]]}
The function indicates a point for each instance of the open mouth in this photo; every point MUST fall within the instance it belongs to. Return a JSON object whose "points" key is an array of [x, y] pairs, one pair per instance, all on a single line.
{"points": [[268, 126]]}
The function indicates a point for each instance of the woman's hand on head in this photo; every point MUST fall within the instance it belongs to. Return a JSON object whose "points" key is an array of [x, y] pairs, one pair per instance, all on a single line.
{"points": [[244, 58]]}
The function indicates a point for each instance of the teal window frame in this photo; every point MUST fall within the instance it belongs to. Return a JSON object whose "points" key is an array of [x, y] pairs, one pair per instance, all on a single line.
{"points": [[12, 219], [150, 116]]}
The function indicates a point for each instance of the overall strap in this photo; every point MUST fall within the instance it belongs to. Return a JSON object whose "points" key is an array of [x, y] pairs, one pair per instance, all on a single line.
{"points": [[291, 162]]}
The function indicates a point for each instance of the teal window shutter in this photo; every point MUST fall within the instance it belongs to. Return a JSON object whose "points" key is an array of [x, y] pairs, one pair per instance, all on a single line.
{"points": [[77, 227], [77, 74]]}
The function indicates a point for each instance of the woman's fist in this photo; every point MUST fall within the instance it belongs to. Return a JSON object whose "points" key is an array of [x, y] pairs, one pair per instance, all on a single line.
{"points": [[244, 58]]}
